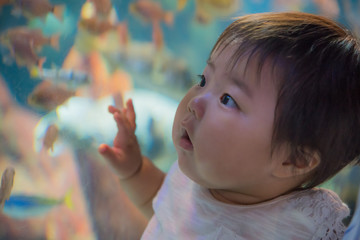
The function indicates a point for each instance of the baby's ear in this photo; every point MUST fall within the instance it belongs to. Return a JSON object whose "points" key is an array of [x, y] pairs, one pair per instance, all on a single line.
{"points": [[304, 165]]}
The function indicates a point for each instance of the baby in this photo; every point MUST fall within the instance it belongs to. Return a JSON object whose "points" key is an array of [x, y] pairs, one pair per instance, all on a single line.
{"points": [[276, 112]]}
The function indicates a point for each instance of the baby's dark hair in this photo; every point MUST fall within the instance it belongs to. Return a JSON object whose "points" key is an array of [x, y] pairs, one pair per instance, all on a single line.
{"points": [[318, 105]]}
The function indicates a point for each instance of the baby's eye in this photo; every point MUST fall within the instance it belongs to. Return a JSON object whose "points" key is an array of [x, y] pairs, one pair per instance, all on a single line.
{"points": [[227, 100], [202, 80]]}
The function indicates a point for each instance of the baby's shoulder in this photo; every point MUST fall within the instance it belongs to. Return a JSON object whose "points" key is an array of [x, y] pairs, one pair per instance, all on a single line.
{"points": [[321, 199], [323, 208]]}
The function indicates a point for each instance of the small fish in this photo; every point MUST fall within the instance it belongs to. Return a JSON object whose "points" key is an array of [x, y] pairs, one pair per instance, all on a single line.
{"points": [[88, 10], [150, 11], [24, 54], [50, 137], [123, 33], [21, 206], [96, 26], [102, 7], [47, 96], [72, 79], [37, 8], [106, 83], [98, 17], [34, 37], [24, 43], [157, 36], [7, 182]]}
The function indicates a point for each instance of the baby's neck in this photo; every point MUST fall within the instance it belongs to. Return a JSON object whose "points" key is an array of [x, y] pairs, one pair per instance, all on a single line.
{"points": [[242, 199]]}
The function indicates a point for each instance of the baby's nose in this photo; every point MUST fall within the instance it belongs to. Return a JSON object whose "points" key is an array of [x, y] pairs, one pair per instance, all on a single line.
{"points": [[197, 106]]}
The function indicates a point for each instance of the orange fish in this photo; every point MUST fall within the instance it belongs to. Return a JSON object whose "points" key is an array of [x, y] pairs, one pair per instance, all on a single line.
{"points": [[123, 33], [119, 83], [102, 7], [151, 11], [98, 17], [96, 25], [34, 36], [157, 36], [47, 96], [105, 83], [50, 137], [75, 60], [23, 53], [23, 44], [38, 8]]}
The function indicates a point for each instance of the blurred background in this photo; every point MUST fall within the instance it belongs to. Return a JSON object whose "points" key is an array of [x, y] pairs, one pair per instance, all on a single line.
{"points": [[64, 61]]}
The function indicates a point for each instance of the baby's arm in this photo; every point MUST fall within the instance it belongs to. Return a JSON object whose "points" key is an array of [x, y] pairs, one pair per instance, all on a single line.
{"points": [[140, 178]]}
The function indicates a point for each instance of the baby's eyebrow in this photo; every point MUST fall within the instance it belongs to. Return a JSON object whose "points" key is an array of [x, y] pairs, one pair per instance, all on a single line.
{"points": [[238, 82], [210, 63], [243, 86]]}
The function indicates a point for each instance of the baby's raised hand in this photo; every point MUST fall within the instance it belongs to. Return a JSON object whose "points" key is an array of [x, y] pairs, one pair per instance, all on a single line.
{"points": [[125, 155]]}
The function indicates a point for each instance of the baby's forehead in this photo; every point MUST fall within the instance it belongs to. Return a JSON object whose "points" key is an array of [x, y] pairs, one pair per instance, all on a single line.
{"points": [[240, 61]]}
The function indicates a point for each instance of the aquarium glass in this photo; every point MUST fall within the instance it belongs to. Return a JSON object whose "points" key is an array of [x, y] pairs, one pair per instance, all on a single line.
{"points": [[63, 62]]}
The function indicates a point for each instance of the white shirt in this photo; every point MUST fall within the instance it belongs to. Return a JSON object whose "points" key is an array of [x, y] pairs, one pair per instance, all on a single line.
{"points": [[185, 210]]}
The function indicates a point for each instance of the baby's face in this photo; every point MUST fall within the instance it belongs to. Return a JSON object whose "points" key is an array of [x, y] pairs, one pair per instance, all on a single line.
{"points": [[223, 127]]}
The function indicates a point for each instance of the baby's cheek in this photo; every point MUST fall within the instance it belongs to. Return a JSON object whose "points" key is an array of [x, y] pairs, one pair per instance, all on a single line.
{"points": [[208, 143]]}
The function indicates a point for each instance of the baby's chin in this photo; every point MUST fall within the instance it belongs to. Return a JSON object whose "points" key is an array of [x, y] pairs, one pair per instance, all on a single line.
{"points": [[186, 170], [193, 176]]}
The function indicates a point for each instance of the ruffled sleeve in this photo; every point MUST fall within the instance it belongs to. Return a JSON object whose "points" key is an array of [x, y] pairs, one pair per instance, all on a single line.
{"points": [[327, 211]]}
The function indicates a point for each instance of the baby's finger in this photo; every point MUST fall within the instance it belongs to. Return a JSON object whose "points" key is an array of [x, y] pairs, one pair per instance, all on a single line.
{"points": [[126, 120], [108, 153], [130, 113], [125, 132], [120, 121], [113, 109], [103, 148]]}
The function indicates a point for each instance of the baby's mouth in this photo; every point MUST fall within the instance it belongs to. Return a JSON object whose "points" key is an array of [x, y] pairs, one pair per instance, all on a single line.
{"points": [[185, 141], [185, 135]]}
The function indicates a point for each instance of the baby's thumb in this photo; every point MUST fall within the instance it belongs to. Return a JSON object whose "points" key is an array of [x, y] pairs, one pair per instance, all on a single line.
{"points": [[107, 152], [110, 155]]}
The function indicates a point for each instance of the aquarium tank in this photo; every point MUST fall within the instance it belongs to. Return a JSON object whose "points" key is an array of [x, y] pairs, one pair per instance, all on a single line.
{"points": [[63, 62]]}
